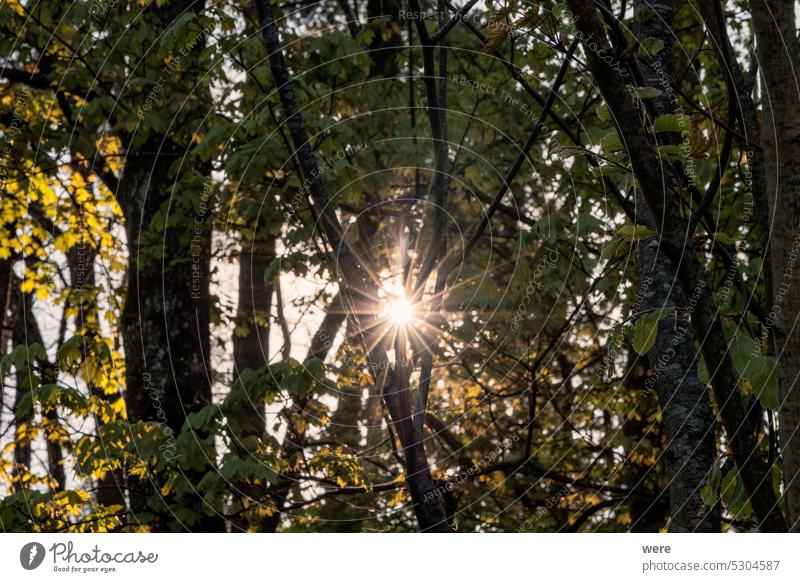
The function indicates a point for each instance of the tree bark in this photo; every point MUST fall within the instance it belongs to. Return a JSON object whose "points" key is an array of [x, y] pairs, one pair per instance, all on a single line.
{"points": [[165, 323], [22, 443], [166, 317], [689, 448], [774, 24], [251, 350], [27, 332]]}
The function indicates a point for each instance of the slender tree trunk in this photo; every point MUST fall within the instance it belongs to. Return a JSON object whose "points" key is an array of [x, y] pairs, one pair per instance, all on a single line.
{"points": [[27, 332], [6, 320], [647, 516], [775, 28], [740, 96], [6, 293], [689, 447], [387, 42], [80, 261], [22, 443], [251, 349]]}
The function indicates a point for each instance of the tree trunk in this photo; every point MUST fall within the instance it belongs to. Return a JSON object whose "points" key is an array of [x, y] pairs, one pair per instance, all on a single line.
{"points": [[80, 261], [165, 324], [22, 443], [251, 350], [774, 24], [27, 332], [689, 435]]}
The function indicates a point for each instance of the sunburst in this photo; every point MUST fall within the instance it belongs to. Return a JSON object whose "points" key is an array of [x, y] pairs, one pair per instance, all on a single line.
{"points": [[399, 311]]}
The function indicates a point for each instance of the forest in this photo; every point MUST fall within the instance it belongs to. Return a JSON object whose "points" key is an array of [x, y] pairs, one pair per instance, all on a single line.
{"points": [[399, 266]]}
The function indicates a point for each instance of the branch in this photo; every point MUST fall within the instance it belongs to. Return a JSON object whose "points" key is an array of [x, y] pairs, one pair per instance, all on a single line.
{"points": [[444, 30], [451, 264]]}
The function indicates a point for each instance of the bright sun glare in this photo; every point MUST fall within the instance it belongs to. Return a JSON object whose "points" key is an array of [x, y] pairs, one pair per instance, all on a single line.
{"points": [[400, 311]]}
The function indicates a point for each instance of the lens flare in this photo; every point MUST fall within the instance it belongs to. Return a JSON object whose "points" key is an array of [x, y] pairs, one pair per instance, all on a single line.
{"points": [[399, 311]]}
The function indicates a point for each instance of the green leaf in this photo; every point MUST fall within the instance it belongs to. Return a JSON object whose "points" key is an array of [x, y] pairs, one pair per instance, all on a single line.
{"points": [[672, 122], [174, 31], [612, 249], [644, 334], [645, 92], [710, 492], [201, 419], [651, 45], [646, 327], [634, 233], [71, 351], [611, 142], [194, 453], [38, 352], [756, 369], [702, 371], [588, 222], [735, 495], [24, 406], [215, 137]]}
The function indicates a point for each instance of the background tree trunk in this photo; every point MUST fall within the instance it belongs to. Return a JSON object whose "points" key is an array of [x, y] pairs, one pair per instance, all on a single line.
{"points": [[774, 24], [166, 320]]}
